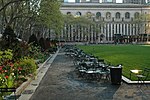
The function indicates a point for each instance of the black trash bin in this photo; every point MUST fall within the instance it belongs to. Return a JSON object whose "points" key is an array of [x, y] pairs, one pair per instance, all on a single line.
{"points": [[116, 75]]}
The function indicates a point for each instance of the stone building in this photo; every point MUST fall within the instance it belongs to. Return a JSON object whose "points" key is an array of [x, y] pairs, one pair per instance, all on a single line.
{"points": [[135, 1], [108, 1], [148, 1], [121, 21]]}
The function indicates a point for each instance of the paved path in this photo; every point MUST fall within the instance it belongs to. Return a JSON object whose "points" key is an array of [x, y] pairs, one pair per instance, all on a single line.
{"points": [[62, 83]]}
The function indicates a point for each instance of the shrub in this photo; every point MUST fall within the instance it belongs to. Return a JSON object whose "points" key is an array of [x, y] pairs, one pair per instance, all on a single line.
{"points": [[34, 51], [6, 69], [7, 75], [33, 39], [42, 44], [11, 73], [8, 39], [5, 56], [26, 66], [21, 50]]}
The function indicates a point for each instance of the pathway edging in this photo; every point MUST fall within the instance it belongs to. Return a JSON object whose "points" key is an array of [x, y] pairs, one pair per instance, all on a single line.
{"points": [[28, 85]]}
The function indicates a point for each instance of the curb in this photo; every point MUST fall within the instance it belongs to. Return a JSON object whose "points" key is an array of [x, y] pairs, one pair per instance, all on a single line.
{"points": [[29, 84], [21, 88], [128, 81]]}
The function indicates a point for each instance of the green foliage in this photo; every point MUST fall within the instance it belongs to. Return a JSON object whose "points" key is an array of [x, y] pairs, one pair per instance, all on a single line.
{"points": [[10, 72], [82, 20], [131, 56], [5, 56], [7, 76], [22, 49], [38, 54], [26, 66], [6, 69], [50, 15], [34, 51]]}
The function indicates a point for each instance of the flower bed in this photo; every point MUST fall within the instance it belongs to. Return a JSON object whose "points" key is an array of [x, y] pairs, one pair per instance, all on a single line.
{"points": [[18, 58], [14, 73]]}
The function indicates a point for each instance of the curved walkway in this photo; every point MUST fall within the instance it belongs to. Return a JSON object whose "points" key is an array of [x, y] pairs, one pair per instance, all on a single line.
{"points": [[61, 83]]}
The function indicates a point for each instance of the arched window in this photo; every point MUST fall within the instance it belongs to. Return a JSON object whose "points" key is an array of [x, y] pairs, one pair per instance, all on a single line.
{"points": [[78, 14], [118, 15], [98, 15], [89, 14], [136, 15], [108, 15], [127, 15], [68, 13]]}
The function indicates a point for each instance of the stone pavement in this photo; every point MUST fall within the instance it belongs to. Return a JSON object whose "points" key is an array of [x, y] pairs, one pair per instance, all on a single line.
{"points": [[30, 89], [57, 80]]}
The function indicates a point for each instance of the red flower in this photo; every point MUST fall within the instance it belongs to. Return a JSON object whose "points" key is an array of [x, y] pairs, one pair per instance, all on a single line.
{"points": [[1, 67], [11, 64], [19, 68], [6, 77]]}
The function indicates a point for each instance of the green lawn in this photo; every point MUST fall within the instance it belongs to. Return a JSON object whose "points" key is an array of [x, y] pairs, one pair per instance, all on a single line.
{"points": [[131, 56]]}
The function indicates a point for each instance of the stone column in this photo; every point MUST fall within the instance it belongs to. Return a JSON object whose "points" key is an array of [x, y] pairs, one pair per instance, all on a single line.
{"points": [[114, 28], [105, 31], [117, 28], [130, 30], [111, 32], [127, 30], [108, 31], [124, 29], [92, 33], [89, 34], [120, 29], [72, 33], [82, 32]]}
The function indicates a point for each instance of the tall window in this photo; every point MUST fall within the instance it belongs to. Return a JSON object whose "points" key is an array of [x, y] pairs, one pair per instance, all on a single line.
{"points": [[108, 15], [136, 15], [127, 15], [78, 14], [118, 15], [98, 15], [68, 13], [89, 14]]}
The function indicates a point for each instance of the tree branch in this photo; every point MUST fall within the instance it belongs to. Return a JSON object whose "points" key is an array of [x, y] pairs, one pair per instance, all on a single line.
{"points": [[10, 3]]}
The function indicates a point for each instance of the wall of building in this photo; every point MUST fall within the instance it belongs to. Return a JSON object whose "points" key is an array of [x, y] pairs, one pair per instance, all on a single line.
{"points": [[135, 1], [107, 27]]}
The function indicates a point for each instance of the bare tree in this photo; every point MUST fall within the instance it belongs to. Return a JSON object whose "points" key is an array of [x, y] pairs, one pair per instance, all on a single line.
{"points": [[19, 14]]}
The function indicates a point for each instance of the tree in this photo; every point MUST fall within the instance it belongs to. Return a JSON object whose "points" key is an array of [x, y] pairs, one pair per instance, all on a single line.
{"points": [[143, 21], [8, 38], [84, 24], [148, 22], [19, 14], [50, 17]]}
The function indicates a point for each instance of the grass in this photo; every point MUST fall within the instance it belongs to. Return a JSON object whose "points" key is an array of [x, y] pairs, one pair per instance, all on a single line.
{"points": [[131, 56]]}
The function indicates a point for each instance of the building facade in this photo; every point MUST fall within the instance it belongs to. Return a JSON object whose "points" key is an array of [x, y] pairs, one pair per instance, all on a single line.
{"points": [[108, 1], [83, 1], [111, 20], [135, 1], [95, 1], [77, 1]]}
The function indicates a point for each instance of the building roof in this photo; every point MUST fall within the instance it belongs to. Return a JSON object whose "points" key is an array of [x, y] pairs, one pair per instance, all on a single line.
{"points": [[105, 5]]}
